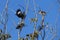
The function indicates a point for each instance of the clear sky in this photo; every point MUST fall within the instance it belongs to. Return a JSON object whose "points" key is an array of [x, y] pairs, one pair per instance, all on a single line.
{"points": [[51, 7]]}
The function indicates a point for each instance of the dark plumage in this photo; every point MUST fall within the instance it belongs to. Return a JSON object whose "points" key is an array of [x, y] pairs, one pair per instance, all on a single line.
{"points": [[20, 26], [20, 14]]}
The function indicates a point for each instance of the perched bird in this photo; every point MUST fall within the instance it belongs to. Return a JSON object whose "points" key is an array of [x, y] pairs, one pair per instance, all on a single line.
{"points": [[20, 14]]}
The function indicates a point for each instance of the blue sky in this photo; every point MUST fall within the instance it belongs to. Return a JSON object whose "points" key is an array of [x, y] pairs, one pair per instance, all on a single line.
{"points": [[51, 7]]}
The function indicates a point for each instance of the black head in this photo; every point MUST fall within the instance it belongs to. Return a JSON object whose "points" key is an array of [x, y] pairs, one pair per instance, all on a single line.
{"points": [[18, 10], [20, 14]]}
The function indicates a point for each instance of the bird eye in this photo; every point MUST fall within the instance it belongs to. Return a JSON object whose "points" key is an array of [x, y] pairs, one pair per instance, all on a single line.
{"points": [[20, 14]]}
